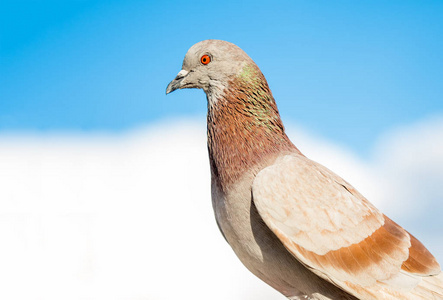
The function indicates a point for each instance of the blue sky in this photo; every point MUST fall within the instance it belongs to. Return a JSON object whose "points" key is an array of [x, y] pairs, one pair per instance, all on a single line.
{"points": [[346, 70]]}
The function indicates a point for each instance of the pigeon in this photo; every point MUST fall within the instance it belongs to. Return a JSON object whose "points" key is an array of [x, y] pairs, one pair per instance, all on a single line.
{"points": [[292, 222]]}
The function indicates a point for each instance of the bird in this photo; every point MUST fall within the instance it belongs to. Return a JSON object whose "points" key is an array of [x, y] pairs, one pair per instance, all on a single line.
{"points": [[292, 222]]}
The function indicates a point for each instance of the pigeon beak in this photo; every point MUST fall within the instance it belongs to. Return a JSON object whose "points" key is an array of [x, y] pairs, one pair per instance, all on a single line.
{"points": [[177, 82]]}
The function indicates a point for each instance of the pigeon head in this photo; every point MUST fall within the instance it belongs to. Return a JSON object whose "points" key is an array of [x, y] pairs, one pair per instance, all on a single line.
{"points": [[244, 126], [209, 65]]}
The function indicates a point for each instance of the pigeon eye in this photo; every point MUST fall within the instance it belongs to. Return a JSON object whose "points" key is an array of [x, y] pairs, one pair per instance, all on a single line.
{"points": [[205, 59]]}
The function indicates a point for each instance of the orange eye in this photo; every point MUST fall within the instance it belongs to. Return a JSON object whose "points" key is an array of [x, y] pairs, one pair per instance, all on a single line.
{"points": [[205, 59]]}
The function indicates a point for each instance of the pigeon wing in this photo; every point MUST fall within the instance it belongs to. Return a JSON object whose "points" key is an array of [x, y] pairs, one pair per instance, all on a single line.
{"points": [[333, 230]]}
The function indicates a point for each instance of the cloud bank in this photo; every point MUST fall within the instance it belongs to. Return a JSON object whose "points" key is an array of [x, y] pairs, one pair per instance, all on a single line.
{"points": [[129, 216]]}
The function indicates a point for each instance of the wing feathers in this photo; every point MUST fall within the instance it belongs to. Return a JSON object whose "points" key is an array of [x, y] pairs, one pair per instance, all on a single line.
{"points": [[304, 202], [333, 230], [376, 258], [420, 261]]}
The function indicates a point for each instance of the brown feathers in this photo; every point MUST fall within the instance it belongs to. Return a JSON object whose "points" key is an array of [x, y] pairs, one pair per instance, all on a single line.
{"points": [[420, 260], [377, 257], [244, 127]]}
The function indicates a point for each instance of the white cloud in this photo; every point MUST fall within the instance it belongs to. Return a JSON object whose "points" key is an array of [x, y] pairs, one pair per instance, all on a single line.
{"points": [[130, 217]]}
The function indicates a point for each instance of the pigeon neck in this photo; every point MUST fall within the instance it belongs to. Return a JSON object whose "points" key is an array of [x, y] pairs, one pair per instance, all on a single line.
{"points": [[244, 128]]}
